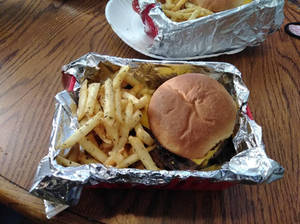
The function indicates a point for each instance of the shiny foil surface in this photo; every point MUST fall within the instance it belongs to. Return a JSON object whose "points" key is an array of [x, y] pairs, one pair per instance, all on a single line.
{"points": [[61, 186], [225, 32]]}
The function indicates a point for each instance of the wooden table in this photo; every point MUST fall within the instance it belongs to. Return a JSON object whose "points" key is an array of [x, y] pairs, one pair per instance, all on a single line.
{"points": [[38, 37]]}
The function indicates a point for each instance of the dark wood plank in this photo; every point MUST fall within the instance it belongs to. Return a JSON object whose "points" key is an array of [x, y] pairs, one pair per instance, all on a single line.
{"points": [[19, 199], [38, 37]]}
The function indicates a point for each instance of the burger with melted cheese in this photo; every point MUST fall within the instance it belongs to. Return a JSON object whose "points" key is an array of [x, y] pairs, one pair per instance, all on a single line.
{"points": [[191, 114]]}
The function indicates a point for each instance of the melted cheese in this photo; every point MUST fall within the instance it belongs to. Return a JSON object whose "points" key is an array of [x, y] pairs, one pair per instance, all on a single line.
{"points": [[246, 2], [203, 161]]}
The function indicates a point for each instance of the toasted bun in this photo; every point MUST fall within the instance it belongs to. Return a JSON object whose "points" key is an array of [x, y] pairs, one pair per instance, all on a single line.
{"points": [[190, 114], [219, 5]]}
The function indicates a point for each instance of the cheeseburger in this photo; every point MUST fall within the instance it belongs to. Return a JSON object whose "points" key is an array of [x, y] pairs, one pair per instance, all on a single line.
{"points": [[191, 114]]}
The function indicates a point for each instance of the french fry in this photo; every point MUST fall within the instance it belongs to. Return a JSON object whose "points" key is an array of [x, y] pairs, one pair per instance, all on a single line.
{"points": [[120, 77], [85, 158], [128, 112], [114, 158], [118, 106], [130, 97], [82, 100], [136, 117], [132, 159], [131, 119], [108, 107], [111, 128], [83, 121], [92, 98], [138, 103], [168, 5], [143, 135], [101, 96], [123, 138], [179, 4], [128, 161], [195, 14], [83, 130], [142, 102], [92, 149], [142, 153], [65, 162], [97, 107], [190, 5], [100, 131]]}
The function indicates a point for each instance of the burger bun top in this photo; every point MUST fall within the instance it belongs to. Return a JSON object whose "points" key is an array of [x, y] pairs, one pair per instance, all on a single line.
{"points": [[190, 114]]}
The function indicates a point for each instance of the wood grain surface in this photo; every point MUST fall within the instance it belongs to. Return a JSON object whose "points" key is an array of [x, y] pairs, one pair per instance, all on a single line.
{"points": [[38, 37]]}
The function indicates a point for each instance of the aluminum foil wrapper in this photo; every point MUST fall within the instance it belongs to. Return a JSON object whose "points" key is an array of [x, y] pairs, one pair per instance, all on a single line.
{"points": [[61, 186], [226, 32]]}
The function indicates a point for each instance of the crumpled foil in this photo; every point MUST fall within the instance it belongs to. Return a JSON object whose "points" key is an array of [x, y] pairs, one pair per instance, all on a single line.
{"points": [[226, 32], [61, 186]]}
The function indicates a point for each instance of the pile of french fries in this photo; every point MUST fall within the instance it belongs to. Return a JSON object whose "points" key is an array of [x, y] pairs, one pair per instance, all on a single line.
{"points": [[183, 10], [112, 117]]}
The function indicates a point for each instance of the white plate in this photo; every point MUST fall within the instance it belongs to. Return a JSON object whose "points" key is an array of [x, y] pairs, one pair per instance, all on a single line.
{"points": [[127, 24]]}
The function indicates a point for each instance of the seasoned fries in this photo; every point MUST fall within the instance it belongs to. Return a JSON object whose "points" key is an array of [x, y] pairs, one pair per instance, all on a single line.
{"points": [[83, 130], [143, 135], [183, 10], [142, 153], [111, 117], [93, 149], [82, 100], [132, 159], [92, 97], [66, 162], [108, 100]]}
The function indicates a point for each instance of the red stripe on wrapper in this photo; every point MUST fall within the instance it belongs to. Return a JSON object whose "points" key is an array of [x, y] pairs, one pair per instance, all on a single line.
{"points": [[136, 6], [248, 111], [150, 27], [68, 81]]}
